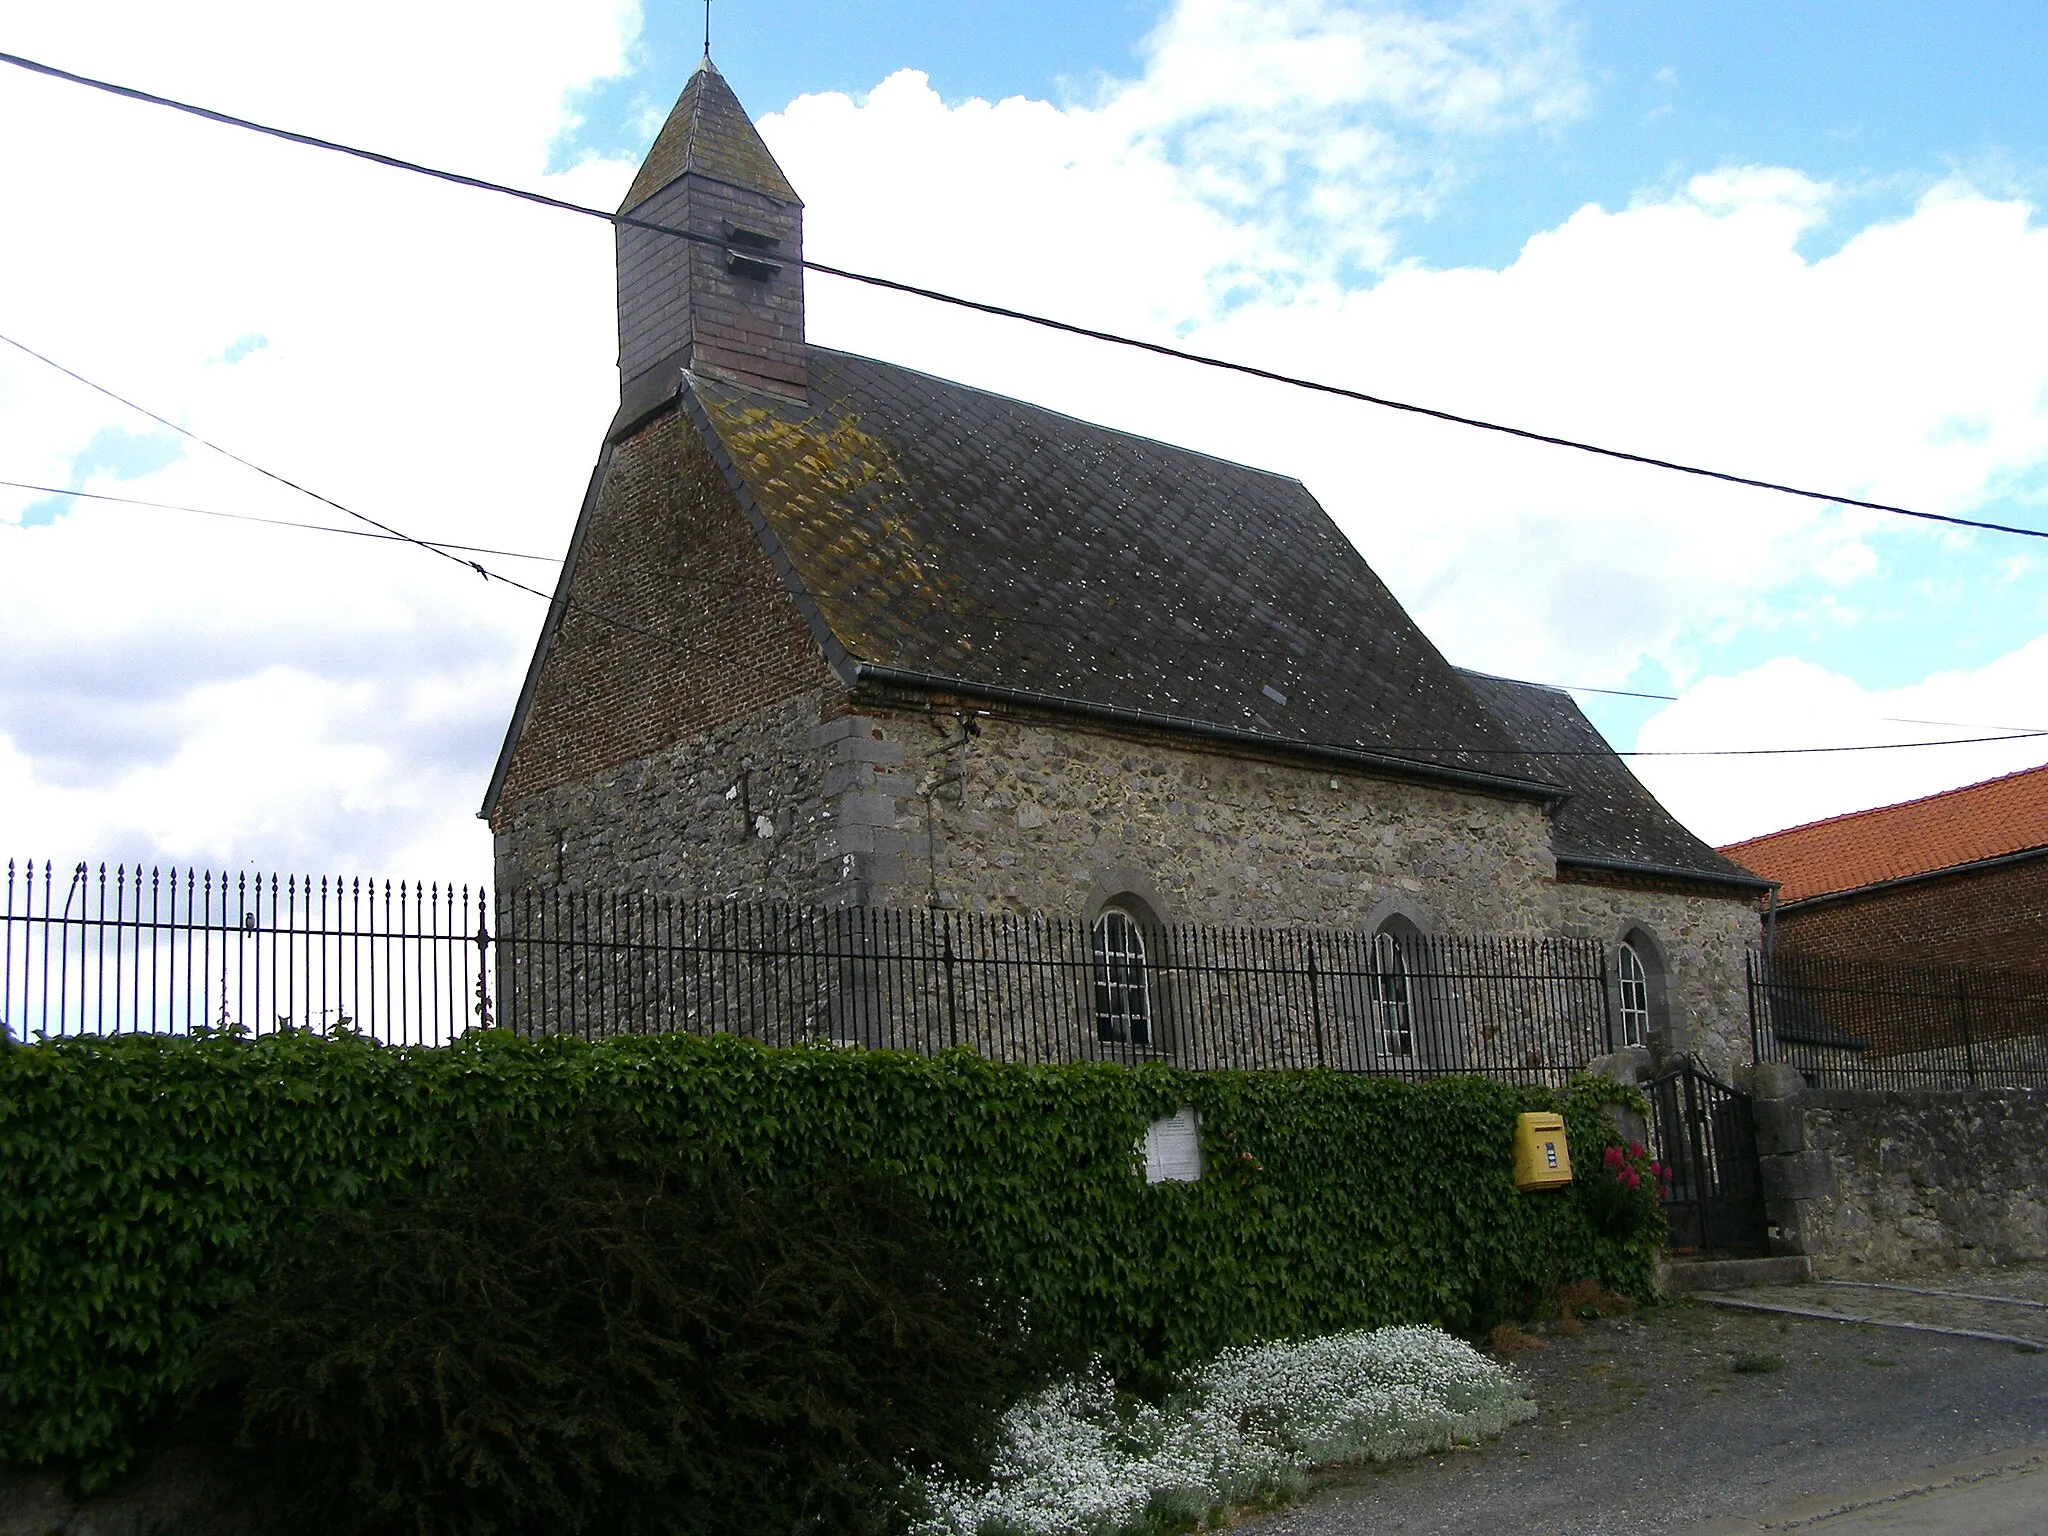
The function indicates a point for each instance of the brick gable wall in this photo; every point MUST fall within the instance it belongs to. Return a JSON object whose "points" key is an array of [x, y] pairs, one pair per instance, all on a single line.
{"points": [[668, 552], [1995, 917]]}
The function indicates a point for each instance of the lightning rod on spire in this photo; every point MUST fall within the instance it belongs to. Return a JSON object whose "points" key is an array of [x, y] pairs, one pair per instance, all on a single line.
{"points": [[707, 29]]}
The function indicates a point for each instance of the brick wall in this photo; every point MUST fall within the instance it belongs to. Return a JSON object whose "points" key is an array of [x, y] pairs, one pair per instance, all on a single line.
{"points": [[1996, 918], [707, 632]]}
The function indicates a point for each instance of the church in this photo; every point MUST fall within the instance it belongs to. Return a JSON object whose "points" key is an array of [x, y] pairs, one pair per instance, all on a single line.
{"points": [[835, 632]]}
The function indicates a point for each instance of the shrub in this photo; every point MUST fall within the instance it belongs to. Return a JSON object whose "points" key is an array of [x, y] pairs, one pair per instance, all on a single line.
{"points": [[564, 1344], [1622, 1191], [145, 1180]]}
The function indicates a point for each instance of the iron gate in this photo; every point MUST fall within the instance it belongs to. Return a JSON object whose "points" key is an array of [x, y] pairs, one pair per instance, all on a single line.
{"points": [[1705, 1132]]}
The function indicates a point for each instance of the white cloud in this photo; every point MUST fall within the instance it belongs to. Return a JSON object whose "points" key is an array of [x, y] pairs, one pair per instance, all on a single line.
{"points": [[178, 688], [1792, 703]]}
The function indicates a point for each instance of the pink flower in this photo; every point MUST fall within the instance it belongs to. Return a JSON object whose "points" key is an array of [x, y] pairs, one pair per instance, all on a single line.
{"points": [[1635, 1149]]}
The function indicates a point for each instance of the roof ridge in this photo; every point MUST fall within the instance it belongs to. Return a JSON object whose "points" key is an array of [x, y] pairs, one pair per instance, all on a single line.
{"points": [[1519, 682], [1878, 810]]}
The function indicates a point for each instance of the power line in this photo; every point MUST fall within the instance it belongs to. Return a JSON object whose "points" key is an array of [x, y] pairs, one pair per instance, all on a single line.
{"points": [[1004, 312], [562, 606], [1874, 746], [275, 522], [268, 474], [2014, 732], [1672, 698], [386, 529]]}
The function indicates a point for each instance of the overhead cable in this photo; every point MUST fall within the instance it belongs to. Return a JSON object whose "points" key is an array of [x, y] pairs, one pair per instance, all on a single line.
{"points": [[2013, 732], [558, 602], [276, 522], [562, 606], [229, 453], [1005, 312], [1672, 698]]}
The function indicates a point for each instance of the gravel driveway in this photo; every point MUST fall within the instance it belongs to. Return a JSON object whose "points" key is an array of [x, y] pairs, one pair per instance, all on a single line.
{"points": [[1691, 1413]]}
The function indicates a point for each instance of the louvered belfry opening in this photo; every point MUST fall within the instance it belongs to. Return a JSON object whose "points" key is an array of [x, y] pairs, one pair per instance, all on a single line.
{"points": [[731, 304]]}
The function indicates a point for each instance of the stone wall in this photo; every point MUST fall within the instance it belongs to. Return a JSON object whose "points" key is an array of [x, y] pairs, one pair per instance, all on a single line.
{"points": [[735, 811], [1891, 1182], [807, 802], [1698, 944], [1025, 818]]}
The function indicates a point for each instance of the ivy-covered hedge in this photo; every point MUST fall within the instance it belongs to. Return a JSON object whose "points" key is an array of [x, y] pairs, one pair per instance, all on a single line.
{"points": [[142, 1180]]}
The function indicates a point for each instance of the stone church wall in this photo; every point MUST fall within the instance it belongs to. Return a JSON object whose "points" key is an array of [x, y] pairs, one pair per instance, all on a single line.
{"points": [[1025, 818], [734, 811], [1702, 943], [804, 801]]}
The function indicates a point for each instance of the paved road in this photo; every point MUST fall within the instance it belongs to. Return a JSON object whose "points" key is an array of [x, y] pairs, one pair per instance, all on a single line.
{"points": [[1694, 1415], [2002, 1495]]}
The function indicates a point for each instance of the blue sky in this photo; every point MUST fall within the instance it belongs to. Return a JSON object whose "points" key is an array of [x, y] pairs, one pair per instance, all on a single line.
{"points": [[1886, 95], [1801, 241]]}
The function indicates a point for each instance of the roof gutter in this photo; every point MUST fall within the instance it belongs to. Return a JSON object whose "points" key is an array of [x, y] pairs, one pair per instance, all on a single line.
{"points": [[1755, 884], [1179, 725]]}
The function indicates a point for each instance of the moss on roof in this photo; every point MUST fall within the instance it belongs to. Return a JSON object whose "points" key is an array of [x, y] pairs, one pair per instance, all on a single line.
{"points": [[951, 532]]}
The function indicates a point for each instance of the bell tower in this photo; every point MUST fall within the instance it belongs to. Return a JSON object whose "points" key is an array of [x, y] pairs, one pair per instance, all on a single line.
{"points": [[731, 302]]}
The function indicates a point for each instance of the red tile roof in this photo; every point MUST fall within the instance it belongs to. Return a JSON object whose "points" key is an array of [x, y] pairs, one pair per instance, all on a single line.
{"points": [[1918, 837]]}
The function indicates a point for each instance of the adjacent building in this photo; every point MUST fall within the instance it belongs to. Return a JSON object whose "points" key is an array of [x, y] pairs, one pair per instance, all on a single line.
{"points": [[1955, 879]]}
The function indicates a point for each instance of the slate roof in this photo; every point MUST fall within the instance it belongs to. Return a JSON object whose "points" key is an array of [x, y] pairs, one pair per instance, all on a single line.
{"points": [[945, 531], [1990, 820], [709, 132], [1610, 820]]}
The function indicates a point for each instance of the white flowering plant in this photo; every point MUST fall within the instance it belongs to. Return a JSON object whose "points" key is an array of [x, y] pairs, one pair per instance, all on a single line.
{"points": [[1079, 1459]]}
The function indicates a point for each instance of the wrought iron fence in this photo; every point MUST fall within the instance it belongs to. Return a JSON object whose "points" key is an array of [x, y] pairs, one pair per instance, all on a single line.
{"points": [[85, 951], [1855, 1023], [1050, 989], [129, 949]]}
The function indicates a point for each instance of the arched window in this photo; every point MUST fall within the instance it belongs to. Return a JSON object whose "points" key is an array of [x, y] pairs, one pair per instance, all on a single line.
{"points": [[1393, 997], [1123, 1011], [1634, 986]]}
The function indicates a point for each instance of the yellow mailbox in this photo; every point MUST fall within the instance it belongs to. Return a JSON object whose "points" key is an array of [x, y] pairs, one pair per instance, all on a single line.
{"points": [[1542, 1160]]}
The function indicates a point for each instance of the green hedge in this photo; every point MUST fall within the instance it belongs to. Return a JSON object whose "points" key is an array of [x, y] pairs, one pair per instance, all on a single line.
{"points": [[143, 1178]]}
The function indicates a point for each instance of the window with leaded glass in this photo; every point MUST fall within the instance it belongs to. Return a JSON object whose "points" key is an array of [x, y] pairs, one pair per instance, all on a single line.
{"points": [[1634, 980], [1393, 999], [1123, 1011]]}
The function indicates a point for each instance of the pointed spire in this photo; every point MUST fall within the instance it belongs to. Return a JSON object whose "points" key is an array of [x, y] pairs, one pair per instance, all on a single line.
{"points": [[709, 133]]}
